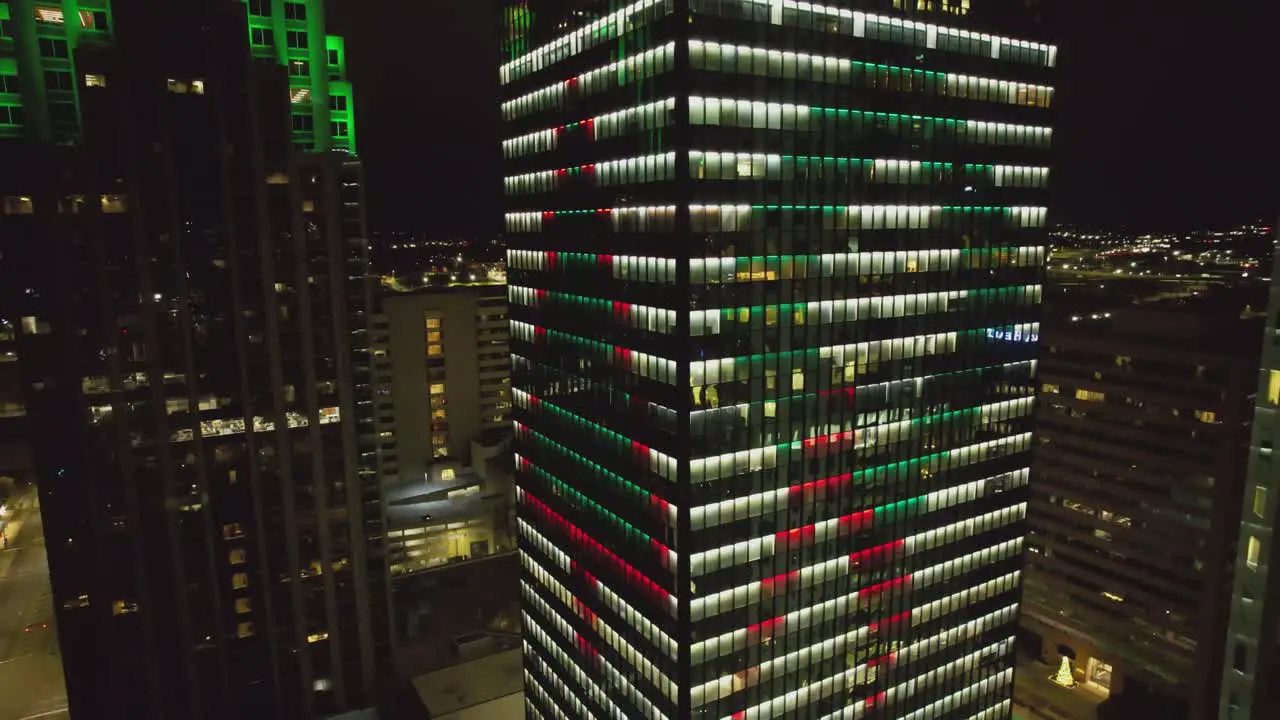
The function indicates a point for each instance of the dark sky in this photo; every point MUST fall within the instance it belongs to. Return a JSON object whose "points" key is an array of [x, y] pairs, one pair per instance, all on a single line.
{"points": [[1164, 112]]}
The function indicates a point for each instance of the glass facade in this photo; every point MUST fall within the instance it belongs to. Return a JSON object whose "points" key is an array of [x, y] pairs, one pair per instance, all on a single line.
{"points": [[1251, 659], [190, 297], [775, 272]]}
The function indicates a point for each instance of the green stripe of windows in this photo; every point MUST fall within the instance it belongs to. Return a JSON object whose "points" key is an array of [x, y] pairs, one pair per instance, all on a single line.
{"points": [[801, 311], [595, 469], [818, 352], [578, 500], [715, 270]]}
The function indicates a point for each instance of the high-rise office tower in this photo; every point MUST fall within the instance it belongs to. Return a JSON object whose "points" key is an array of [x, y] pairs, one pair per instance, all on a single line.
{"points": [[1143, 422], [1251, 659], [184, 263], [775, 270]]}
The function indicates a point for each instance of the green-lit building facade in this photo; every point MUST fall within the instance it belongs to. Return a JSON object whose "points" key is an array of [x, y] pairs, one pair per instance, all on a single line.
{"points": [[184, 270], [775, 270]]}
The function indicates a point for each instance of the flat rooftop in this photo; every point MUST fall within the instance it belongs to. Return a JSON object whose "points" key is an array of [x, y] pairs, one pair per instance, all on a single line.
{"points": [[490, 688]]}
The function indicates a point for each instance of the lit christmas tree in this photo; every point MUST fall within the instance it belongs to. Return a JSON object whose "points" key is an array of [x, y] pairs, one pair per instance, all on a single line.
{"points": [[1064, 677]]}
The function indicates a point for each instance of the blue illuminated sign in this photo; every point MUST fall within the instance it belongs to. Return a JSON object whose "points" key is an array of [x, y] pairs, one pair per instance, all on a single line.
{"points": [[1012, 335]]}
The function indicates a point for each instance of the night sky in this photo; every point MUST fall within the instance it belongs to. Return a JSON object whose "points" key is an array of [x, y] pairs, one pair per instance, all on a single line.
{"points": [[1164, 113]]}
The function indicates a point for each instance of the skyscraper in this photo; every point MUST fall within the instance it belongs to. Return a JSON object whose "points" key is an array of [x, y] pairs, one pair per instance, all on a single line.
{"points": [[774, 273], [1143, 422], [1251, 658], [184, 263]]}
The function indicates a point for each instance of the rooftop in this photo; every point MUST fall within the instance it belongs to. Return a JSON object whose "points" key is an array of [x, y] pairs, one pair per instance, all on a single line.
{"points": [[484, 689]]}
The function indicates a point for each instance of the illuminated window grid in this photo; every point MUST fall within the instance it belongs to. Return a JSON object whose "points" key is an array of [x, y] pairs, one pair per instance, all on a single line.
{"points": [[891, 423]]}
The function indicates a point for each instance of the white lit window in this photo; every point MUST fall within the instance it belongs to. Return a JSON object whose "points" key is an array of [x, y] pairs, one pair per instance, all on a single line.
{"points": [[448, 474], [91, 80]]}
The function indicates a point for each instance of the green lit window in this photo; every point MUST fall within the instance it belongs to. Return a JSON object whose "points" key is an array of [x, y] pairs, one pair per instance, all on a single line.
{"points": [[297, 40], [53, 48], [295, 11]]}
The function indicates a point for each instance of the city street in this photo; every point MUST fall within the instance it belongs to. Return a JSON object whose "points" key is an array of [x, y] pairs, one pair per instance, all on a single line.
{"points": [[31, 683]]}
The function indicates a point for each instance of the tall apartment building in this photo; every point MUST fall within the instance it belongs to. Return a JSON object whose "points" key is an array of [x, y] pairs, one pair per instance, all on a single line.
{"points": [[1251, 668], [775, 270], [185, 268], [445, 370], [1143, 428]]}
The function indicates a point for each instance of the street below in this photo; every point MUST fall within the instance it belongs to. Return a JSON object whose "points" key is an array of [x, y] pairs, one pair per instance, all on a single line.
{"points": [[31, 681]]}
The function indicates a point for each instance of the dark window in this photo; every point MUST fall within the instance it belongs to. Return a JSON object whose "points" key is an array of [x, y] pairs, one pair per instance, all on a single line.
{"points": [[297, 40], [53, 48], [5, 31], [8, 83], [260, 7], [11, 115], [299, 68], [337, 102], [338, 129], [1241, 660], [260, 36], [303, 123], [99, 21], [333, 57], [57, 80], [62, 113], [295, 11]]}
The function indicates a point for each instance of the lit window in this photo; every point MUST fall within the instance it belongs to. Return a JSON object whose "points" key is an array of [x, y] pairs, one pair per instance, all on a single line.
{"points": [[237, 556], [300, 96], [244, 606], [1090, 395], [231, 531], [437, 388], [1049, 388], [317, 636], [122, 607], [322, 685], [1253, 554], [98, 81], [1273, 387], [244, 630], [240, 581], [435, 350], [1112, 596], [797, 380], [1207, 416], [433, 323], [1260, 501], [1102, 535], [18, 205], [433, 336], [114, 204], [439, 440], [197, 87], [440, 451], [176, 87], [770, 408], [448, 474]]}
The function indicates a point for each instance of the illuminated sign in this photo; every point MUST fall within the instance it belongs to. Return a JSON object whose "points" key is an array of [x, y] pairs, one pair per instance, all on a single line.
{"points": [[1012, 335]]}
